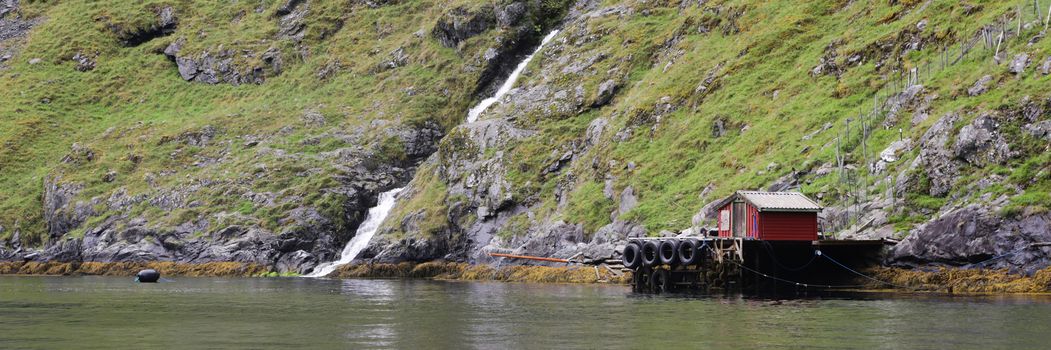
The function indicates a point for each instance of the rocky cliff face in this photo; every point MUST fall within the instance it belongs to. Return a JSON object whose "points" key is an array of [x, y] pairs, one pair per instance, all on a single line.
{"points": [[263, 133], [288, 197], [515, 181]]}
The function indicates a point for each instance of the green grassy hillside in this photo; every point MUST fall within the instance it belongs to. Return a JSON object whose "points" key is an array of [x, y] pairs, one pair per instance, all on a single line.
{"points": [[683, 102], [719, 96], [131, 113]]}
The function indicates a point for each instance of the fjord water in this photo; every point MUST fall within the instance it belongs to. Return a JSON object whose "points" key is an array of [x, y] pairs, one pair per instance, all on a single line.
{"points": [[113, 312]]}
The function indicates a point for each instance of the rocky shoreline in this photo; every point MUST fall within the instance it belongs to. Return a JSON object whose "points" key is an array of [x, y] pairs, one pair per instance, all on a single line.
{"points": [[166, 268], [441, 270], [963, 281], [941, 280]]}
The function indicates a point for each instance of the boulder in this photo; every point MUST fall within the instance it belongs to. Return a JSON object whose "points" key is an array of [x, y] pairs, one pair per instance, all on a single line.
{"points": [[61, 213], [84, 62], [291, 23], [891, 154], [1040, 130], [980, 142], [606, 90], [460, 24], [218, 67], [511, 14], [980, 86], [8, 6], [973, 236], [1019, 63], [936, 159]]}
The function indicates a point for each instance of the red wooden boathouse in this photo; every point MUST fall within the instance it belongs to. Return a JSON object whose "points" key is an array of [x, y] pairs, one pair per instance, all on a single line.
{"points": [[771, 216]]}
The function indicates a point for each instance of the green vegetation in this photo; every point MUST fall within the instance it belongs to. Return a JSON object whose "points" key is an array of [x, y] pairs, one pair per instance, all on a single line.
{"points": [[721, 96], [132, 113], [516, 226], [589, 206], [718, 96]]}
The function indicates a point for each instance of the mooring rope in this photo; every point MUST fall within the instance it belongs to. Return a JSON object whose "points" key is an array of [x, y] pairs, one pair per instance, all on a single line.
{"points": [[770, 252], [834, 261], [799, 284], [819, 253], [1001, 256]]}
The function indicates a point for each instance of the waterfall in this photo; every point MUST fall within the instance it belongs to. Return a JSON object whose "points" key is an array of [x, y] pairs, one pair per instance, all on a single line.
{"points": [[472, 116], [386, 201], [364, 234]]}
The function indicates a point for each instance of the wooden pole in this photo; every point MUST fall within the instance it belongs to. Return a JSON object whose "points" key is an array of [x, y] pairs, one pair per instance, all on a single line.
{"points": [[1019, 32], [1000, 40], [864, 140], [839, 159], [1048, 17], [527, 257]]}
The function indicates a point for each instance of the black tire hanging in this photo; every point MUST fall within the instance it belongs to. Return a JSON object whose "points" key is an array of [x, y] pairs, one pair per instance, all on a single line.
{"points": [[660, 281], [669, 252], [639, 280], [650, 253], [689, 252], [632, 256]]}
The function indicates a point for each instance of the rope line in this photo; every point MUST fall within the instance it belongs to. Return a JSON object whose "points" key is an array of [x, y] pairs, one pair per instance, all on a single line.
{"points": [[1001, 256], [804, 285], [819, 253], [779, 279], [770, 252], [861, 274]]}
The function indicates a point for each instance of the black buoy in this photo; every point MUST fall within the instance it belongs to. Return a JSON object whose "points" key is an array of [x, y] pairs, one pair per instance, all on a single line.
{"points": [[148, 276]]}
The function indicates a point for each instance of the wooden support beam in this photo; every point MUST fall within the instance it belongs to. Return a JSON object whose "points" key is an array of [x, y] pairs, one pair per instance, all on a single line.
{"points": [[527, 257]]}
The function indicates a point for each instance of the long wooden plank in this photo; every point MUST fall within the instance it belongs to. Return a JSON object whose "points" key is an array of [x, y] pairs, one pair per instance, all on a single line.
{"points": [[527, 257]]}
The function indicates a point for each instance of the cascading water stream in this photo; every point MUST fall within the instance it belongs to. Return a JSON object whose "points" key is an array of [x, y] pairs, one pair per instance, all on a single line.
{"points": [[364, 234], [472, 116], [383, 207]]}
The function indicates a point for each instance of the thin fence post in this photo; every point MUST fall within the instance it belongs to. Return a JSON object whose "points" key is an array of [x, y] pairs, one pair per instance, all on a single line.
{"points": [[985, 38], [864, 139], [999, 41], [1048, 17], [1019, 32]]}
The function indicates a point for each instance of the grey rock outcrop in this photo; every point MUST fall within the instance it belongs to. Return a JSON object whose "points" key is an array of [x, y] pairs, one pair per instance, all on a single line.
{"points": [[1019, 63], [84, 62], [936, 158], [307, 238], [61, 213], [980, 142], [13, 30], [1041, 129], [980, 86], [165, 23], [8, 6], [292, 20], [977, 234], [219, 67], [606, 90], [460, 24]]}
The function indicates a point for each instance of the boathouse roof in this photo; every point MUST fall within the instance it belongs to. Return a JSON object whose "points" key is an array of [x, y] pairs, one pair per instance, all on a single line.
{"points": [[775, 201]]}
